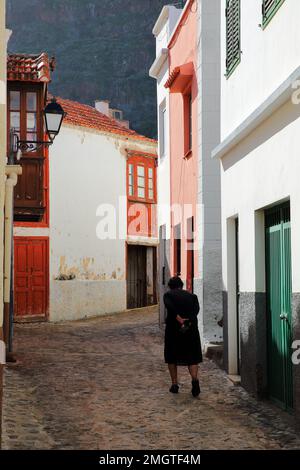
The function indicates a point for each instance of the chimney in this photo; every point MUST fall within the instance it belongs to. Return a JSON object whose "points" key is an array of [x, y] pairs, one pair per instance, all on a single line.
{"points": [[102, 106]]}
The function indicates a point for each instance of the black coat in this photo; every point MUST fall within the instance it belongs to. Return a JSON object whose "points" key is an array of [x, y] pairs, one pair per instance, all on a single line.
{"points": [[182, 348]]}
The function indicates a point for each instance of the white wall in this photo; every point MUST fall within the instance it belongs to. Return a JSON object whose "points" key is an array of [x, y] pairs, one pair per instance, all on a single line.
{"points": [[163, 173], [165, 26], [269, 56], [261, 171], [209, 285], [86, 169]]}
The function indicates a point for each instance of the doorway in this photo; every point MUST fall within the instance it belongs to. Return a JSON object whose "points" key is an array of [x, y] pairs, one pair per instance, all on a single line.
{"points": [[31, 278], [279, 308], [190, 256], [163, 272], [237, 271], [141, 276]]}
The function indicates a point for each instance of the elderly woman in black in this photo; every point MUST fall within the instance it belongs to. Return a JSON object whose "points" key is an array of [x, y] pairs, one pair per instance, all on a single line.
{"points": [[182, 339]]}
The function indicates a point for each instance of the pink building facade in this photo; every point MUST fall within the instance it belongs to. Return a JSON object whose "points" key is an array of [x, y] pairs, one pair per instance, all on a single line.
{"points": [[183, 87], [194, 90]]}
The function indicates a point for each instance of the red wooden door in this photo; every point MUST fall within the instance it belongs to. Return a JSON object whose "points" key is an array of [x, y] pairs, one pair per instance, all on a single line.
{"points": [[31, 277]]}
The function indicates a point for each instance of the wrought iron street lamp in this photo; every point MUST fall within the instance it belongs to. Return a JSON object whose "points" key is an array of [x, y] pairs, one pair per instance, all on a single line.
{"points": [[53, 117]]}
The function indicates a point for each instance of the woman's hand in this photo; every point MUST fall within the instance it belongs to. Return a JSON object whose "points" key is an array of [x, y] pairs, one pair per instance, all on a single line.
{"points": [[181, 320]]}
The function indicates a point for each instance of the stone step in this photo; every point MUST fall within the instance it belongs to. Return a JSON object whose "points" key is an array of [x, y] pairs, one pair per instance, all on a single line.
{"points": [[214, 352], [235, 379]]}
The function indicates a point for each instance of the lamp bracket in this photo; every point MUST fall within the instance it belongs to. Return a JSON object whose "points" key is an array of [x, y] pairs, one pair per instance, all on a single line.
{"points": [[28, 146]]}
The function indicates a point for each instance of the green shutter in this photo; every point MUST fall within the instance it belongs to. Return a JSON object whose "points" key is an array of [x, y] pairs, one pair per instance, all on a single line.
{"points": [[233, 33], [269, 8]]}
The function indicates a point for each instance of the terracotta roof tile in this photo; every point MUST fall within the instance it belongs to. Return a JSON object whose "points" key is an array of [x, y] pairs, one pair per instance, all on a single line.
{"points": [[86, 116], [136, 153], [30, 68]]}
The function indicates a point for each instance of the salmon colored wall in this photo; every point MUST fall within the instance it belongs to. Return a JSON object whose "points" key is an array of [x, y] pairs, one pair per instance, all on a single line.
{"points": [[184, 171]]}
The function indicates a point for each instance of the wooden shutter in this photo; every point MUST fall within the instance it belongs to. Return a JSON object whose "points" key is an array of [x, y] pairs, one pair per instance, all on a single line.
{"points": [[233, 48], [29, 205], [269, 8]]}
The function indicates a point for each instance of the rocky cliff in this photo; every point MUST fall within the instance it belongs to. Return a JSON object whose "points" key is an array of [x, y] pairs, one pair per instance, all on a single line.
{"points": [[104, 49]]}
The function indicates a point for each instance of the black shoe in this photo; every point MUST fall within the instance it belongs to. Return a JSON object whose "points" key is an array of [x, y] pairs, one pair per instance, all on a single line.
{"points": [[174, 388], [195, 388]]}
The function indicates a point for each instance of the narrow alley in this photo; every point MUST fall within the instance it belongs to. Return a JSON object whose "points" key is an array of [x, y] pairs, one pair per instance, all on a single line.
{"points": [[102, 384]]}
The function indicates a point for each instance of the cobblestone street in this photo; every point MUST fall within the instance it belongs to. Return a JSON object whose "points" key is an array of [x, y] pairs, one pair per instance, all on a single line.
{"points": [[102, 384]]}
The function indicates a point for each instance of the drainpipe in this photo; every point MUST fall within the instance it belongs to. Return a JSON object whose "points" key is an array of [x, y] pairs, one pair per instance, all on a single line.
{"points": [[12, 173]]}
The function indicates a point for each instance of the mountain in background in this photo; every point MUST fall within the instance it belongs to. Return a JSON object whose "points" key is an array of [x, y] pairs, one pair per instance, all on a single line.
{"points": [[103, 49]]}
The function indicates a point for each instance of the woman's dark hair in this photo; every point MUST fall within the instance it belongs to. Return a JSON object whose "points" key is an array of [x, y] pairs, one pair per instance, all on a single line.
{"points": [[175, 283]]}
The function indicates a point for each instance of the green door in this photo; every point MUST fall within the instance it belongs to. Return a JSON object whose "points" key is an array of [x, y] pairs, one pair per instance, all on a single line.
{"points": [[279, 312]]}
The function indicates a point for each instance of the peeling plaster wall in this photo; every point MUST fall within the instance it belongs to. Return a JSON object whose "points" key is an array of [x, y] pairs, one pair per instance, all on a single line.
{"points": [[87, 169], [74, 300]]}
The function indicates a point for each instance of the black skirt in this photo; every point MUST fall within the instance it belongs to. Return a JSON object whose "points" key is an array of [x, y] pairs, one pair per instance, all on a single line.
{"points": [[182, 349]]}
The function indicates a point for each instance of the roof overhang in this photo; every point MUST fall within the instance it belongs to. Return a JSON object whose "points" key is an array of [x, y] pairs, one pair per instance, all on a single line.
{"points": [[30, 67], [158, 63], [141, 153], [161, 21], [180, 78], [280, 96]]}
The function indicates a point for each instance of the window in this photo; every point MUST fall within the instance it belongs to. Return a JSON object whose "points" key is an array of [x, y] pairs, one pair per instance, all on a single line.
{"points": [[188, 123], [130, 180], [25, 117], [177, 250], [269, 8], [163, 132], [233, 35], [141, 182], [150, 184], [31, 116], [15, 111], [23, 114], [118, 115]]}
